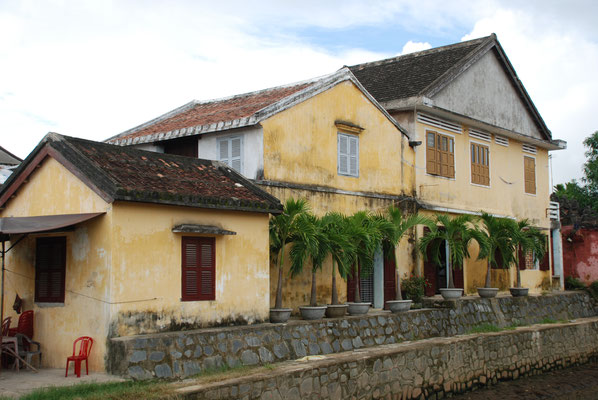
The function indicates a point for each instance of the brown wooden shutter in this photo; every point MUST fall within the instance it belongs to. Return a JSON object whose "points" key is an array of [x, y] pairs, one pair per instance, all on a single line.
{"points": [[198, 269], [529, 167], [451, 158], [431, 154], [480, 164], [545, 263], [50, 267]]}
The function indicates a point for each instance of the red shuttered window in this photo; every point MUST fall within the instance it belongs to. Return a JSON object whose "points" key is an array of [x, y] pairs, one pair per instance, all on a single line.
{"points": [[50, 267], [198, 269]]}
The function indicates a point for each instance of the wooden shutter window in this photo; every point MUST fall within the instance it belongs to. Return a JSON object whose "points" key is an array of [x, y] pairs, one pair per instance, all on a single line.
{"points": [[480, 164], [198, 269], [440, 155], [432, 161], [230, 151], [348, 154], [50, 268], [529, 168]]}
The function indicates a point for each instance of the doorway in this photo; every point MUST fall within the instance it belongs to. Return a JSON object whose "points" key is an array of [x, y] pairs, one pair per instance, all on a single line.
{"points": [[437, 274]]}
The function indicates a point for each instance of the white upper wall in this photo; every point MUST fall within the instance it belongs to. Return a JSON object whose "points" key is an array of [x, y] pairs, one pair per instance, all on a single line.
{"points": [[252, 149], [485, 92]]}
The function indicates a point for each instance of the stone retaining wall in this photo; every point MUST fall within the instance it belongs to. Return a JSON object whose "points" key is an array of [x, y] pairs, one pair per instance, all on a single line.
{"points": [[185, 353], [431, 369]]}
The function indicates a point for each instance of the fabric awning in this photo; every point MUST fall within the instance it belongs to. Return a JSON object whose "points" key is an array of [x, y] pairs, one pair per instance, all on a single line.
{"points": [[207, 229], [43, 223]]}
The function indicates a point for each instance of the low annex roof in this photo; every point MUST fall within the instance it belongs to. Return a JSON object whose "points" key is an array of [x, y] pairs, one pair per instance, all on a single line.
{"points": [[425, 73], [126, 174], [198, 117]]}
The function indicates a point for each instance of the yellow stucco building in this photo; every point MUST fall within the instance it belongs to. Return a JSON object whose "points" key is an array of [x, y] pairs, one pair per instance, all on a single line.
{"points": [[447, 130], [112, 241]]}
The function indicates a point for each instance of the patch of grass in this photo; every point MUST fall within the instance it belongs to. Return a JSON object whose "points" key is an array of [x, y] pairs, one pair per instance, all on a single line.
{"points": [[269, 366], [485, 328], [131, 390], [548, 320]]}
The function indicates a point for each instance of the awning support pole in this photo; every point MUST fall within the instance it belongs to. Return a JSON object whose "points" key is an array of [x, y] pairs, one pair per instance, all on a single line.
{"points": [[2, 296]]}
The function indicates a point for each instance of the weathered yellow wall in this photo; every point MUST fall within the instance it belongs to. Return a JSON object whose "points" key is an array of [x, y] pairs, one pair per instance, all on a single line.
{"points": [[300, 147], [54, 190], [147, 260]]}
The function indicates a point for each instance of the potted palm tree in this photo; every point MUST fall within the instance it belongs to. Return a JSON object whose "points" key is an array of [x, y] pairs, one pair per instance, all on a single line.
{"points": [[339, 245], [283, 228], [392, 235], [526, 239], [458, 232], [366, 235], [498, 234], [310, 243]]}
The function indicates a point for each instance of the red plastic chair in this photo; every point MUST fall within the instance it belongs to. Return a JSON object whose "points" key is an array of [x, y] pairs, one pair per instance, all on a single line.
{"points": [[25, 325], [84, 349], [5, 326]]}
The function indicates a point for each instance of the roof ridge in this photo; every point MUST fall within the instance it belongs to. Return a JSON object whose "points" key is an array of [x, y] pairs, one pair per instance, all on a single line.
{"points": [[422, 52]]}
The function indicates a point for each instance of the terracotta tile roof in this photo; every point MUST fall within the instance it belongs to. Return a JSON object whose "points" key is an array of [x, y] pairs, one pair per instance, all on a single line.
{"points": [[409, 75], [206, 113], [128, 174]]}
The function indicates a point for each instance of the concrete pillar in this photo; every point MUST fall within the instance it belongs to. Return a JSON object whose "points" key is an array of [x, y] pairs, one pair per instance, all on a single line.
{"points": [[557, 252], [379, 279]]}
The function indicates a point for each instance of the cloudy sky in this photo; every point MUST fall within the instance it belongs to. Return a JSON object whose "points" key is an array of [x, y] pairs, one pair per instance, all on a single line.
{"points": [[93, 69]]}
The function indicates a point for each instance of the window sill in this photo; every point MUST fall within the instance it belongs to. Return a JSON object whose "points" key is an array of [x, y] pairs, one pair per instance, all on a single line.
{"points": [[49, 305]]}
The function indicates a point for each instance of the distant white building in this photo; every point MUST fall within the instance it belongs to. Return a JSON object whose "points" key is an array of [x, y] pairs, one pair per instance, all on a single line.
{"points": [[8, 163]]}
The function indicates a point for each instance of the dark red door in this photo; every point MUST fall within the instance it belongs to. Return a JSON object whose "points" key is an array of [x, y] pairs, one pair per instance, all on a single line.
{"points": [[390, 291]]}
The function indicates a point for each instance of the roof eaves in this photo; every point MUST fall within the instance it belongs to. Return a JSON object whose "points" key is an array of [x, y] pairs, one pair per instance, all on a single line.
{"points": [[162, 117], [190, 131], [2, 149]]}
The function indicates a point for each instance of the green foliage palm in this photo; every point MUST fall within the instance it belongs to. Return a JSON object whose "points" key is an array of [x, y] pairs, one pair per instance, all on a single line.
{"points": [[340, 244], [529, 240], [310, 242], [459, 233], [392, 233], [283, 228], [498, 234], [366, 234]]}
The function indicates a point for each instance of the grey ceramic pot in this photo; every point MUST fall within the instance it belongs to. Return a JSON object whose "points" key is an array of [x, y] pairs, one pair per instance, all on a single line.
{"points": [[397, 306], [358, 308], [519, 291], [278, 315], [309, 313], [487, 292], [451, 294], [336, 310]]}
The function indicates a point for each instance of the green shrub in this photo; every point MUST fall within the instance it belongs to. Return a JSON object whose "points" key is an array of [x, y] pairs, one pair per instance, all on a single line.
{"points": [[572, 283], [414, 287], [593, 289]]}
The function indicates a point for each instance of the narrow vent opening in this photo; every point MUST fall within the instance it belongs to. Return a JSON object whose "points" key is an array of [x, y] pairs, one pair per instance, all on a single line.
{"points": [[440, 123]]}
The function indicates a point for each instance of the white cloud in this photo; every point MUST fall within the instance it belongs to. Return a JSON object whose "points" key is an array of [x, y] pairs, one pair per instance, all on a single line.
{"points": [[95, 68], [412, 47]]}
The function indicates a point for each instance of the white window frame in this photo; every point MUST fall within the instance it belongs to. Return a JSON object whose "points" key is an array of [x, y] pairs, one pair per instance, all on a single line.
{"points": [[350, 138], [229, 159]]}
